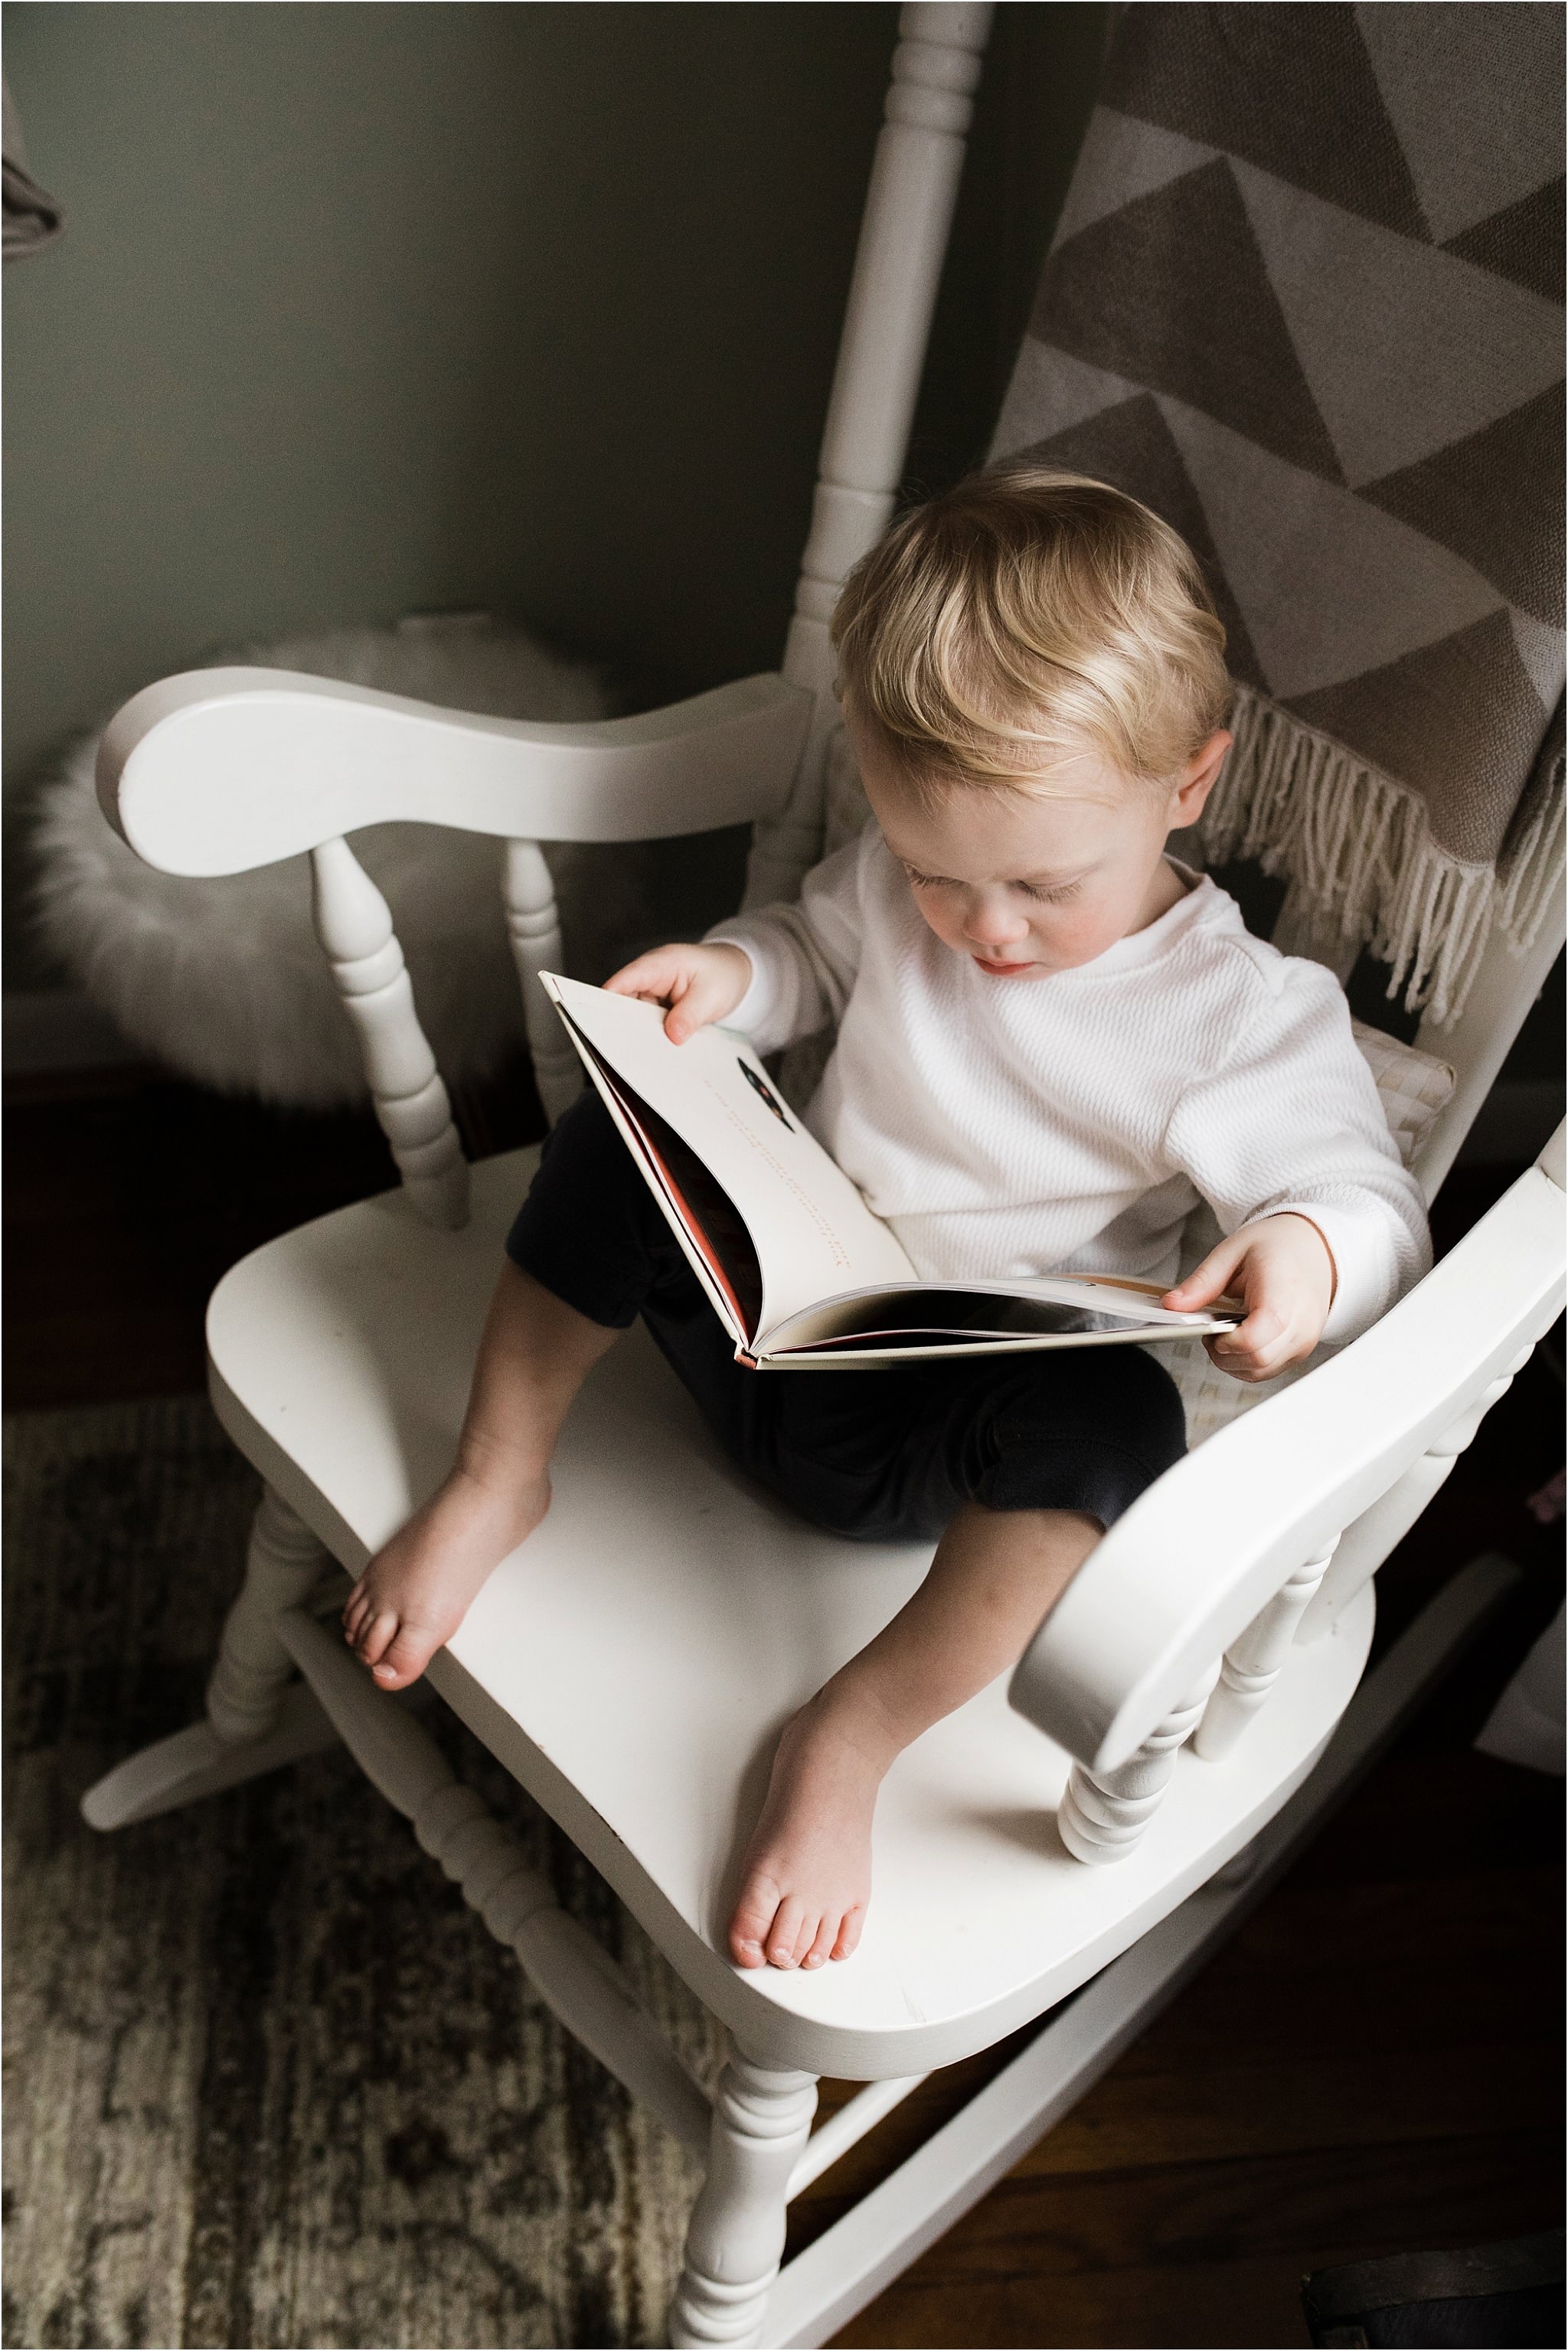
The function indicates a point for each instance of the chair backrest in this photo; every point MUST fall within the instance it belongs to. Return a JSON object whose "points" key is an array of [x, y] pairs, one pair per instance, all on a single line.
{"points": [[219, 770], [1205, 194], [887, 324], [216, 771]]}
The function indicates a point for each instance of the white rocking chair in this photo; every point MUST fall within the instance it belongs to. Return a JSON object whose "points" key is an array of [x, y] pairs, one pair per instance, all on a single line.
{"points": [[631, 1663]]}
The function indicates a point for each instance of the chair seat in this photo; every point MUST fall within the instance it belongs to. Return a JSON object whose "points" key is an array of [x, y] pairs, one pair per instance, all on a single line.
{"points": [[633, 1662]]}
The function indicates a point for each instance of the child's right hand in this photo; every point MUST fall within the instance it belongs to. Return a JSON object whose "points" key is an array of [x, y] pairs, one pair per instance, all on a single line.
{"points": [[698, 984]]}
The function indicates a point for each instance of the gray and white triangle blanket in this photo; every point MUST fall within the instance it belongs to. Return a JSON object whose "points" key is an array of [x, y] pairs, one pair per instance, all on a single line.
{"points": [[1305, 299]]}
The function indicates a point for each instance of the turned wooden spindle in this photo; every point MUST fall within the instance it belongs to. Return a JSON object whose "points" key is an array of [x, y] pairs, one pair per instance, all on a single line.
{"points": [[1366, 1543], [354, 925], [573, 1975], [283, 1565], [761, 2120], [1253, 1664], [533, 927], [1104, 1813], [887, 323]]}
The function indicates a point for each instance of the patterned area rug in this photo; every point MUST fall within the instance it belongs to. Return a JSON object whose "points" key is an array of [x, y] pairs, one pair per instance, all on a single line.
{"points": [[269, 2082]]}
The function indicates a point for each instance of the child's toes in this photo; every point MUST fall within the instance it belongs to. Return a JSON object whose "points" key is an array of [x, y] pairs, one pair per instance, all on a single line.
{"points": [[374, 1633], [785, 1940], [820, 1950], [404, 1657], [356, 1610], [849, 1933], [754, 1915]]}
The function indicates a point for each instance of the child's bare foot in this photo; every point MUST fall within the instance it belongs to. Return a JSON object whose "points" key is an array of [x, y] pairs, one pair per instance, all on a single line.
{"points": [[807, 1871], [416, 1591]]}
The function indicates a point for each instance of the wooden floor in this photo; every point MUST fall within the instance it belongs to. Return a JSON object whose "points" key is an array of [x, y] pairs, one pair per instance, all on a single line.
{"points": [[1373, 2064]]}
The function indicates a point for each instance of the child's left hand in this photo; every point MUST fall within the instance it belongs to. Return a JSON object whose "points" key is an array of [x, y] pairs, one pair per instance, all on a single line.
{"points": [[1283, 1269]]}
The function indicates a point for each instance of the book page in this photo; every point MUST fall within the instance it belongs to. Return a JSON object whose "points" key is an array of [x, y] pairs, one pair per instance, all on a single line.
{"points": [[966, 1318], [814, 1236], [708, 1226]]}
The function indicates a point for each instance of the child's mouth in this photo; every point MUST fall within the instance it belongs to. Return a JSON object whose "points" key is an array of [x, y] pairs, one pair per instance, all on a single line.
{"points": [[1003, 971]]}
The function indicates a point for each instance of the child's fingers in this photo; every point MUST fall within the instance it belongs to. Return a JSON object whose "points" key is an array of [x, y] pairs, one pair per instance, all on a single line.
{"points": [[1257, 1348], [686, 1014], [700, 999], [1236, 1367], [653, 974], [675, 978], [1206, 1282], [694, 984]]}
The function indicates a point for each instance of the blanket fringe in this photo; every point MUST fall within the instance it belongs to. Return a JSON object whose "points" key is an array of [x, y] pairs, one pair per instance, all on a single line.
{"points": [[1358, 846]]}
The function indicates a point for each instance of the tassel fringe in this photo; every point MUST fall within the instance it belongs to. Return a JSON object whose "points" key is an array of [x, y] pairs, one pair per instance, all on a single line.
{"points": [[1358, 846]]}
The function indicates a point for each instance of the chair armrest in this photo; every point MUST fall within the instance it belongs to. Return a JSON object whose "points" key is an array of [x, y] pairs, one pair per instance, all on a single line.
{"points": [[218, 770], [1191, 1563]]}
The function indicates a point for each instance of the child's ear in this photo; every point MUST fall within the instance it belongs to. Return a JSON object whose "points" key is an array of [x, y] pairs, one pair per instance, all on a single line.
{"points": [[1199, 776]]}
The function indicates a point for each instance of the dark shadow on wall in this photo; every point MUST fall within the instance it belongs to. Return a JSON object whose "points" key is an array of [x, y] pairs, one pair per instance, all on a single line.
{"points": [[365, 310]]}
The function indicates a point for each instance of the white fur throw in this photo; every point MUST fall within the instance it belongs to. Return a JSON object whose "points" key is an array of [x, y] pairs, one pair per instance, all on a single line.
{"points": [[223, 979]]}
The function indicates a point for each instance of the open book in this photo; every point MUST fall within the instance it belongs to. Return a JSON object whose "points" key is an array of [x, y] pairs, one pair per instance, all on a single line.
{"points": [[797, 1269]]}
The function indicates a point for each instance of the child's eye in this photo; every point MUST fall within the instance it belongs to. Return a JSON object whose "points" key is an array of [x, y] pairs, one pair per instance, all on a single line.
{"points": [[922, 880], [1048, 898]]}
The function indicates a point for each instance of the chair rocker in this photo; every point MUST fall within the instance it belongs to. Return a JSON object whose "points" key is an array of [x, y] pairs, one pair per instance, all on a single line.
{"points": [[631, 1665]]}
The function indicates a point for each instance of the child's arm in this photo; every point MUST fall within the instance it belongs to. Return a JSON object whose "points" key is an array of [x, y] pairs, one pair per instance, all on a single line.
{"points": [[1287, 1141], [782, 972], [804, 957]]}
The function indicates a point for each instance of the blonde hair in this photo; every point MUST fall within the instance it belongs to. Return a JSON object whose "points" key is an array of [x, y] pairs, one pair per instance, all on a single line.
{"points": [[1022, 619]]}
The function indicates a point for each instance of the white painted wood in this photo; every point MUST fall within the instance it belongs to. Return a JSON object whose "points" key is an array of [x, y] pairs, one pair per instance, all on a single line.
{"points": [[736, 2238], [631, 1663], [354, 924], [196, 1763], [1180, 1575], [1477, 1044], [283, 1565], [1363, 1547], [575, 1977], [533, 927], [217, 770], [822, 2289], [848, 2128], [1252, 1666], [887, 324], [1104, 1813]]}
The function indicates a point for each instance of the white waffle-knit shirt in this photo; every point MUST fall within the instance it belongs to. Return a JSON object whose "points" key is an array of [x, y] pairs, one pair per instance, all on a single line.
{"points": [[1070, 1122]]}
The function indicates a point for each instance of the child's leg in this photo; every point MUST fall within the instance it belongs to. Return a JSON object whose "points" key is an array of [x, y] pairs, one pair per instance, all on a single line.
{"points": [[534, 1357], [589, 1250], [1024, 1462], [807, 1871]]}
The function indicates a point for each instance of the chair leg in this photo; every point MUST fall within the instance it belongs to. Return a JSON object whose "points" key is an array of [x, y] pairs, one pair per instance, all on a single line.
{"points": [[259, 1717], [253, 1669], [735, 2240]]}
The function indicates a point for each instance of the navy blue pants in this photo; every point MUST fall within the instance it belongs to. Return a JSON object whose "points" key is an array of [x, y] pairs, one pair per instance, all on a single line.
{"points": [[887, 1455]]}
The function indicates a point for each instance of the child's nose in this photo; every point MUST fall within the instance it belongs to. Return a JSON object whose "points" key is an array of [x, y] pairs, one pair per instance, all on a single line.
{"points": [[992, 923]]}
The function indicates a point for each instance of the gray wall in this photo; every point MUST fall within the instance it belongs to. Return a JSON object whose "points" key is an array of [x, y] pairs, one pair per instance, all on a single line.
{"points": [[365, 309]]}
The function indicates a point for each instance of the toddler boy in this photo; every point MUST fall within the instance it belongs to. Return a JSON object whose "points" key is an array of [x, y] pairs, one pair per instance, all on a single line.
{"points": [[1052, 1042]]}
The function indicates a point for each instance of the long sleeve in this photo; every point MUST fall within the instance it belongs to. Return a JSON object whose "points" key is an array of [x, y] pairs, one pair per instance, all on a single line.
{"points": [[804, 957], [1290, 1120]]}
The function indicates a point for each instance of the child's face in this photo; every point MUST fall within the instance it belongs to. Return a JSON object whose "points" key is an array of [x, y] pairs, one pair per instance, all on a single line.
{"points": [[1030, 882]]}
